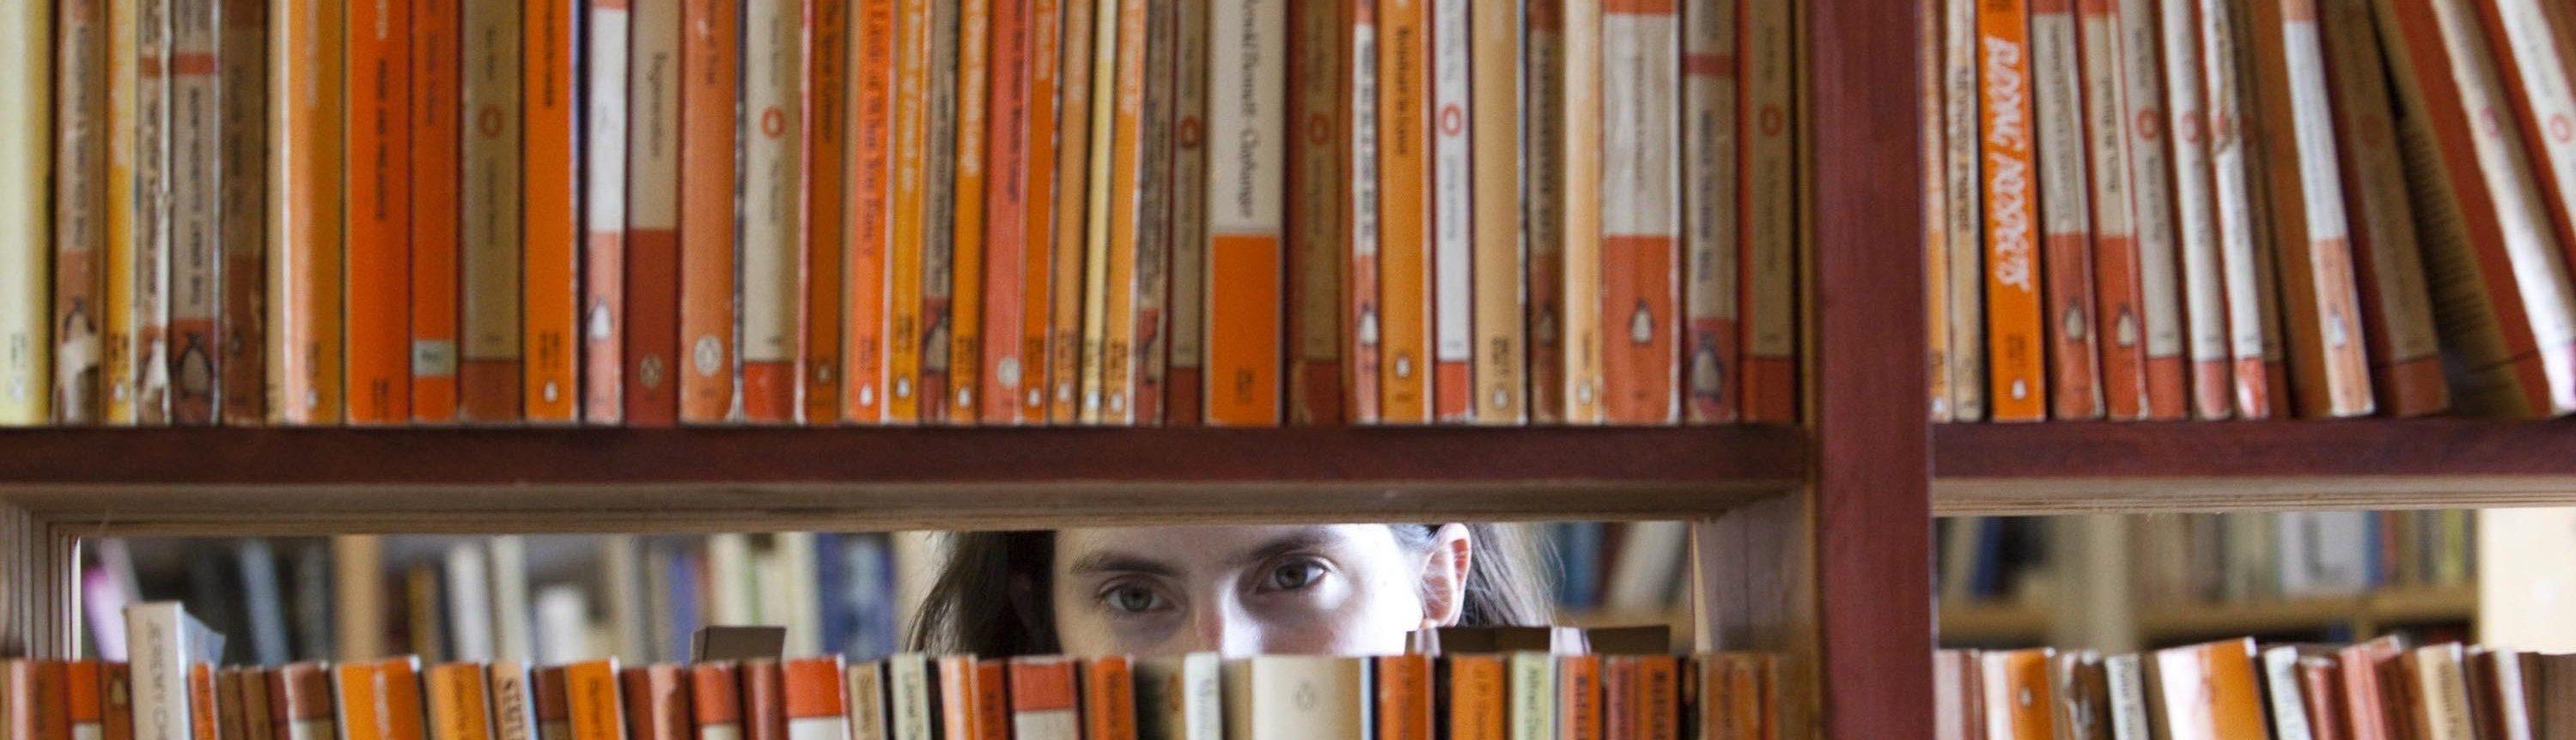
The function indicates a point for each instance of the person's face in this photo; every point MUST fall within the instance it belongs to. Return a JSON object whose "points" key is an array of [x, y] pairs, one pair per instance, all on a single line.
{"points": [[1347, 589]]}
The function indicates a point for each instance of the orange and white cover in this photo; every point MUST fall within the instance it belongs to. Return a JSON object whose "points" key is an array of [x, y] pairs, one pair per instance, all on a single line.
{"points": [[870, 224], [772, 137], [437, 71], [487, 375], [2196, 224], [306, 61], [550, 285], [2535, 60], [825, 33], [1712, 352], [604, 184], [2396, 305], [195, 185], [2240, 244], [1245, 207], [650, 323], [657, 702], [2017, 384], [1453, 216], [1769, 197], [2492, 253], [1045, 703], [1185, 303], [378, 198], [1357, 116], [2145, 129], [1641, 214], [710, 68], [1109, 698], [817, 708], [2118, 258], [2321, 302], [2066, 261], [715, 700], [1405, 301]]}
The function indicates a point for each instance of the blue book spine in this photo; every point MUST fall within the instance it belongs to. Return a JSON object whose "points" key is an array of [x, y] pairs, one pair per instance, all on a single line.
{"points": [[685, 567]]}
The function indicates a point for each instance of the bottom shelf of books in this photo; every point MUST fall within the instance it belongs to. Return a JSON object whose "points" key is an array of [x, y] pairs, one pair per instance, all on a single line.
{"points": [[1198, 632]]}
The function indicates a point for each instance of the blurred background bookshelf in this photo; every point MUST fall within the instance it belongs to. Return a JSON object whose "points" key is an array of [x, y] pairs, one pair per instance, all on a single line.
{"points": [[2126, 582], [557, 598]]}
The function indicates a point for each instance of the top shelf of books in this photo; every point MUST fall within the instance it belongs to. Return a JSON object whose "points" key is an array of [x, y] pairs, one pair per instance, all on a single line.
{"points": [[283, 481], [2358, 463]]}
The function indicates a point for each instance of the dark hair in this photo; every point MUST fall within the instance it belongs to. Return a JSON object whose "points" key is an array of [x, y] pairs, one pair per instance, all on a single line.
{"points": [[992, 596]]}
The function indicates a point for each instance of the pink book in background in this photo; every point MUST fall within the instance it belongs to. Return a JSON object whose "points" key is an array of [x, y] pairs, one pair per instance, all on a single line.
{"points": [[105, 603]]}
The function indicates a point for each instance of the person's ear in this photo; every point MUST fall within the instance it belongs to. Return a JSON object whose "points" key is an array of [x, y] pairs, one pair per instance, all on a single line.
{"points": [[1444, 576]]}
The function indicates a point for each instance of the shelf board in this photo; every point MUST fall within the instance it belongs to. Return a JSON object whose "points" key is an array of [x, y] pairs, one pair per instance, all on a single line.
{"points": [[1994, 623], [211, 481], [2073, 467]]}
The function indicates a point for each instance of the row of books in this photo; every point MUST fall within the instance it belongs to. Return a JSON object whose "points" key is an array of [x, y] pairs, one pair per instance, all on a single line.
{"points": [[2235, 557], [543, 598], [998, 212], [2383, 689], [171, 689], [2213, 209]]}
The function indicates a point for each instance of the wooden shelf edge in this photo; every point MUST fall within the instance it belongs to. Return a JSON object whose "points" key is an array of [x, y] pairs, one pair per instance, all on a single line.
{"points": [[2014, 622], [2080, 467]]}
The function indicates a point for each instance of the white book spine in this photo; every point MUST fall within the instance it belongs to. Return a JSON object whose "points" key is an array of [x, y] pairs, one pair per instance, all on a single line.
{"points": [[603, 197], [1965, 217], [908, 693], [2151, 180], [1453, 187], [771, 186], [2126, 677], [469, 602], [510, 632], [2281, 680], [2543, 65], [866, 700], [2203, 287], [26, 226], [2537, 267], [155, 636], [2231, 182], [1533, 696]]}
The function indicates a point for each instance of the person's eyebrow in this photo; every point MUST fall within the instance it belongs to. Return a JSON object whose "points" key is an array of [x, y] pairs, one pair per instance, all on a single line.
{"points": [[1119, 562], [1304, 539]]}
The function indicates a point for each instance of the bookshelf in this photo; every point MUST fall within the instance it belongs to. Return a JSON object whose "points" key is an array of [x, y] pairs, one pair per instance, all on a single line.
{"points": [[2063, 467], [2364, 614], [1813, 540]]}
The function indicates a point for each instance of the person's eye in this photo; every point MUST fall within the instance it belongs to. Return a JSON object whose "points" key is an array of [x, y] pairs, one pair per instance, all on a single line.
{"points": [[1292, 575], [1133, 598]]}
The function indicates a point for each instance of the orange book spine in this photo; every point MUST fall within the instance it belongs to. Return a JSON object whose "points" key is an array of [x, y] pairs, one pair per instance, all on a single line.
{"points": [[552, 223], [650, 323], [116, 692], [2066, 262], [974, 176], [379, 200], [1404, 701], [51, 684], [1658, 694], [1245, 278], [1405, 140], [1619, 697], [299, 703], [2396, 305], [871, 140], [84, 703], [715, 699], [1769, 241], [657, 702], [592, 707], [1108, 699], [772, 144], [1075, 143], [1006, 192], [2118, 321], [2017, 694], [2319, 297], [1641, 214], [355, 693], [1476, 699], [912, 212], [710, 66], [205, 712], [1357, 116], [610, 25], [1543, 153], [817, 707], [826, 214], [1045, 701], [992, 699], [2017, 384], [550, 704], [764, 703], [957, 696], [459, 702], [437, 69], [1578, 698], [304, 256], [398, 699], [1109, 322], [487, 375], [1184, 291], [1313, 226], [1027, 376]]}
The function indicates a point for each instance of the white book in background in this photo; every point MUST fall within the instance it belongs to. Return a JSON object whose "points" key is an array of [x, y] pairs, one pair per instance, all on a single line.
{"points": [[2281, 692], [866, 683], [510, 630], [909, 697], [1650, 554], [469, 603], [621, 572], [164, 641], [2127, 679], [263, 600], [1533, 696], [731, 597], [106, 609], [1283, 697], [801, 595], [2326, 553], [768, 577], [563, 625]]}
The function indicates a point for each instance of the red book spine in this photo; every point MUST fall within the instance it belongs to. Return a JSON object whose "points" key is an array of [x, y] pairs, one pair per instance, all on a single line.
{"points": [[437, 67], [818, 389], [652, 272]]}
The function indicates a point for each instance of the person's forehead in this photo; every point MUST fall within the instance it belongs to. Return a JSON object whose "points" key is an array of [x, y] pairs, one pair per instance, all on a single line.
{"points": [[1204, 542]]}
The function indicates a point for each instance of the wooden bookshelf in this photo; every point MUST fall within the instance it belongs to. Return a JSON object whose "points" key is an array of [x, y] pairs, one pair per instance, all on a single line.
{"points": [[2364, 614], [2060, 468]]}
